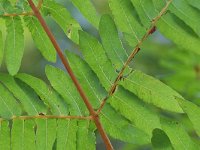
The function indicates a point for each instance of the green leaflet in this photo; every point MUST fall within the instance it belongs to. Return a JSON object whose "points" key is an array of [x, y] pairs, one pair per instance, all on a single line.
{"points": [[66, 134], [58, 13], [22, 135], [4, 135], [123, 12], [8, 104], [194, 3], [72, 32], [169, 28], [145, 11], [159, 137], [95, 56], [45, 134], [118, 127], [178, 136], [152, 91], [186, 13], [1, 48], [14, 44], [130, 40], [134, 110], [63, 18], [40, 38], [29, 134], [86, 139], [87, 10], [31, 105], [88, 80], [192, 111], [62, 83], [49, 96], [111, 42]]}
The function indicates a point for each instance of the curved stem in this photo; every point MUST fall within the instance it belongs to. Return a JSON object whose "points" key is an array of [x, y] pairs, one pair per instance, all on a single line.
{"points": [[73, 77]]}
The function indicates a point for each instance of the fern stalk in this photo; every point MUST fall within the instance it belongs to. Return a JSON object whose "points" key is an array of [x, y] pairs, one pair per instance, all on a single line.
{"points": [[49, 117], [73, 77]]}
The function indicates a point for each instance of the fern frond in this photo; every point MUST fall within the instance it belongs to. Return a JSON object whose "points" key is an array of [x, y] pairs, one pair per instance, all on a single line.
{"points": [[130, 104], [119, 127]]}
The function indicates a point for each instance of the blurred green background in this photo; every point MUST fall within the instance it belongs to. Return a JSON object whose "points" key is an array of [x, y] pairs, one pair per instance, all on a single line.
{"points": [[159, 57]]}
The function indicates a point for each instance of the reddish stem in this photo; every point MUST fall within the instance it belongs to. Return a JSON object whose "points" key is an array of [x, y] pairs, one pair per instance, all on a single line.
{"points": [[71, 74]]}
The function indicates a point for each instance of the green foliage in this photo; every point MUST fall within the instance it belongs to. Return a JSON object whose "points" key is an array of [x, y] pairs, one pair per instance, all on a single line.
{"points": [[14, 45], [146, 87], [1, 48], [139, 109]]}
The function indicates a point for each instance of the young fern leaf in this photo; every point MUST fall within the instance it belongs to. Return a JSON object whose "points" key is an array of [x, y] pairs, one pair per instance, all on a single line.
{"points": [[96, 57], [5, 135], [30, 104], [45, 135], [14, 46], [62, 17], [123, 11], [64, 86], [111, 42], [88, 11], [8, 104], [66, 134], [152, 91], [40, 38], [49, 96], [86, 138], [25, 140]]}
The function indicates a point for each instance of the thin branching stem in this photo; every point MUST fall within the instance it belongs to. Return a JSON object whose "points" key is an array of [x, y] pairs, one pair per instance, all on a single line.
{"points": [[73, 77], [48, 117], [132, 55]]}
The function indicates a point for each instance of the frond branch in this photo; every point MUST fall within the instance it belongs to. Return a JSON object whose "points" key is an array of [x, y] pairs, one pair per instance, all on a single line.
{"points": [[48, 117], [133, 54], [72, 76]]}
